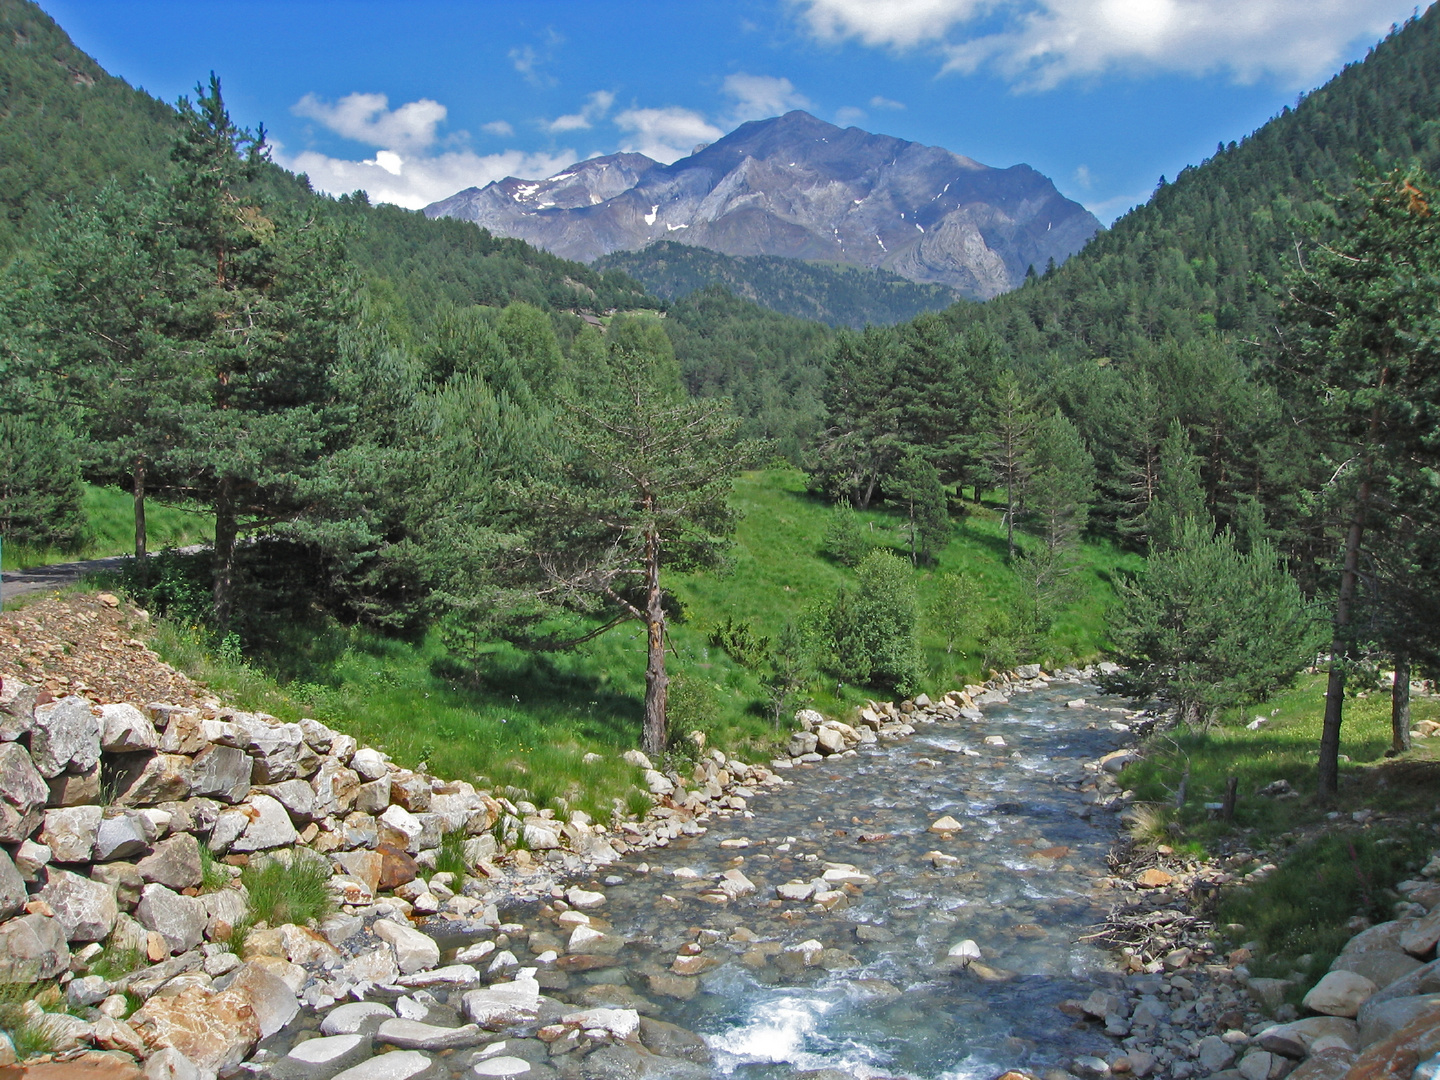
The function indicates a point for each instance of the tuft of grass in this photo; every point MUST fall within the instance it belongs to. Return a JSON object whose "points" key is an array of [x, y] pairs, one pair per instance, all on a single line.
{"points": [[297, 893], [451, 856], [31, 1031], [213, 875], [116, 962], [637, 802], [1149, 824], [1298, 911]]}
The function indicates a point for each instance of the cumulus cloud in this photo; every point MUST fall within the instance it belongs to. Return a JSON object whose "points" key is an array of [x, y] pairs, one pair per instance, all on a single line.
{"points": [[595, 107], [878, 102], [368, 118], [1041, 43], [759, 96], [415, 181], [665, 134], [498, 127]]}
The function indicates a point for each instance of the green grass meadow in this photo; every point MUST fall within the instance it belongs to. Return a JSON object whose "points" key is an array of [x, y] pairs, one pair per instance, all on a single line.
{"points": [[110, 530], [526, 721]]}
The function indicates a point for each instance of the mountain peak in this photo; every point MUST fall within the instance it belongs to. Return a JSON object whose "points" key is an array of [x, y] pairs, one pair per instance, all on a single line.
{"points": [[797, 186]]}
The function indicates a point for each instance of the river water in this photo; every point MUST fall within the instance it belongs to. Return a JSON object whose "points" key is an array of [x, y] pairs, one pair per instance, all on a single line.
{"points": [[1026, 885]]}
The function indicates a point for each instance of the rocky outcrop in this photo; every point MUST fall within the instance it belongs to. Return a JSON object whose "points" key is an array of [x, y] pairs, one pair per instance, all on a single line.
{"points": [[798, 187]]}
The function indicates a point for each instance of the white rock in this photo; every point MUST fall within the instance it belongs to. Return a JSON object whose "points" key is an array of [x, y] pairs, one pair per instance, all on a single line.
{"points": [[504, 1004], [636, 758], [964, 952], [399, 1065], [416, 1035], [472, 953], [125, 729], [582, 936], [617, 1023], [502, 1066], [582, 898], [1340, 993], [414, 951], [349, 1018], [946, 824]]}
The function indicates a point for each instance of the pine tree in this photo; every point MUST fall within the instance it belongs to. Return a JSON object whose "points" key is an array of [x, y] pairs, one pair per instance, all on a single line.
{"points": [[1011, 426], [915, 486], [39, 485]]}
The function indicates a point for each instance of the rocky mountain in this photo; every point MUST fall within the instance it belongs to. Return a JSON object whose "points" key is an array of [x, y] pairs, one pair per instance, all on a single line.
{"points": [[798, 187]]}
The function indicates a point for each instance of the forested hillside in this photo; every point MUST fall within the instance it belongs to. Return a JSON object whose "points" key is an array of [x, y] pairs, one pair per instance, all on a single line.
{"points": [[831, 293]]}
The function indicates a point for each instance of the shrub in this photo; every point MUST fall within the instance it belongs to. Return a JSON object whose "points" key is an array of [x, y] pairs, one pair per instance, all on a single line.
{"points": [[847, 538], [873, 628]]}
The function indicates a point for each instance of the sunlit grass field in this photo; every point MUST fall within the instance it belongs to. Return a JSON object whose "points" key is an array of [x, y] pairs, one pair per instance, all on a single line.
{"points": [[110, 530]]}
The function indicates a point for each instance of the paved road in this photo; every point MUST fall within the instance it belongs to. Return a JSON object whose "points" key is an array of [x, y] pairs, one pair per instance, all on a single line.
{"points": [[15, 583]]}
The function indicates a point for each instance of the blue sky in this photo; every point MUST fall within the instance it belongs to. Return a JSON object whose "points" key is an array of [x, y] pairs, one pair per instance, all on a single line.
{"points": [[415, 100]]}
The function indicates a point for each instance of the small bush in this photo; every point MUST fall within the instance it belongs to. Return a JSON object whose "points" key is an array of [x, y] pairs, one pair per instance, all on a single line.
{"points": [[637, 802], [848, 539], [213, 875], [297, 893], [691, 705]]}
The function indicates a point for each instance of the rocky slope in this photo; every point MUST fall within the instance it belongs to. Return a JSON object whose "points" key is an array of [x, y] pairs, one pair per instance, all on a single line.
{"points": [[798, 187]]}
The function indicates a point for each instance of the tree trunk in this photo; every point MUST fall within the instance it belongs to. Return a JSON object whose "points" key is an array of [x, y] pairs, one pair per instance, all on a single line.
{"points": [[914, 558], [1010, 517], [138, 490], [223, 563], [1400, 707], [657, 683], [1328, 770]]}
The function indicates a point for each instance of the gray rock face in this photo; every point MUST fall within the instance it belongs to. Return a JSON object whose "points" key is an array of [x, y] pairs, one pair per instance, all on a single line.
{"points": [[32, 947], [175, 863], [86, 910], [70, 832], [66, 736], [148, 779], [17, 710], [269, 828], [296, 796], [125, 729], [222, 772], [120, 838], [180, 920], [272, 999], [12, 888], [280, 750], [798, 187], [23, 794], [416, 1035]]}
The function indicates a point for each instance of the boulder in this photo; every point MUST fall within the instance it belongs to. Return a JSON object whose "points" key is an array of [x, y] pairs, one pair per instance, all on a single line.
{"points": [[399, 1065], [179, 920], [69, 833], [400, 828], [375, 966], [355, 1017], [175, 863], [335, 787], [1294, 1039], [396, 867], [1390, 1016], [269, 827], [414, 951], [316, 1059], [32, 948], [86, 910], [123, 878], [279, 750], [147, 779], [829, 740], [503, 1004], [75, 788], [416, 1035], [30, 859], [1419, 938], [271, 998], [214, 1031], [120, 837], [1380, 966], [1399, 1055], [12, 888], [66, 735], [23, 794], [17, 710], [125, 729], [222, 772], [297, 796], [1339, 993]]}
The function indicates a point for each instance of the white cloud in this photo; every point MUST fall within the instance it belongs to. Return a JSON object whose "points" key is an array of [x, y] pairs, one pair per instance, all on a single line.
{"points": [[878, 102], [368, 118], [416, 181], [595, 107], [498, 127], [1041, 43], [665, 134], [848, 114], [759, 96], [1083, 177]]}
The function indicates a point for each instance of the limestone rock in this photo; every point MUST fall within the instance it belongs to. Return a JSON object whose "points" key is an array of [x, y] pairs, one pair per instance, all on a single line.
{"points": [[179, 920], [297, 796], [946, 824], [222, 772], [1380, 966], [1295, 1039], [354, 1017], [125, 729], [120, 837], [317, 1058], [147, 779], [269, 827], [416, 1035], [175, 863], [12, 888], [23, 794], [1389, 1017], [1419, 938], [69, 833], [66, 735], [212, 1030], [1340, 993], [400, 1065], [414, 951], [75, 788], [86, 910], [272, 1000], [503, 1004], [32, 948]]}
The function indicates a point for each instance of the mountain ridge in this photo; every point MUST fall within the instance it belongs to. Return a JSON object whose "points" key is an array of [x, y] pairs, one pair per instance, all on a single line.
{"points": [[798, 187]]}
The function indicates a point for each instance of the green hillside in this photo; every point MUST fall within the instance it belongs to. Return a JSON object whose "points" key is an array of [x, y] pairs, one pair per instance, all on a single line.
{"points": [[830, 293]]}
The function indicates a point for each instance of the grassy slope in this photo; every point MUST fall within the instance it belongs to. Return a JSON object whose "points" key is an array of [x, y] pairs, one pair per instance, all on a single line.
{"points": [[527, 720], [110, 519]]}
